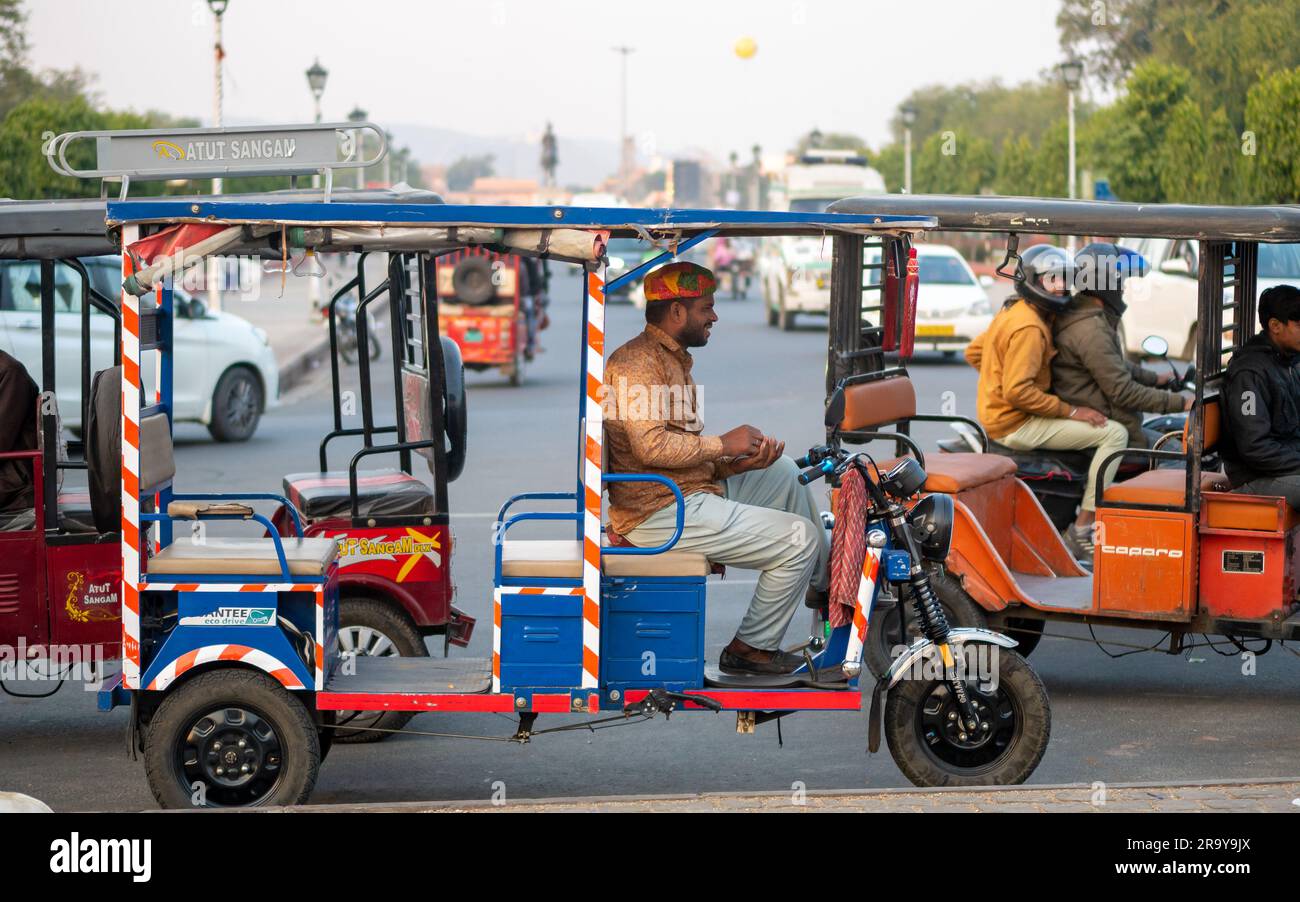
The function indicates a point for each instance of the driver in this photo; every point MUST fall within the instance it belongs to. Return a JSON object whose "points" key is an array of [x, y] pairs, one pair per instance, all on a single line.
{"points": [[1014, 358], [1090, 368], [18, 395], [744, 504]]}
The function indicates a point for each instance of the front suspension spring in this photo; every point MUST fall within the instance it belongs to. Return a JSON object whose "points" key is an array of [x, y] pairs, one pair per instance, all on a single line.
{"points": [[929, 612]]}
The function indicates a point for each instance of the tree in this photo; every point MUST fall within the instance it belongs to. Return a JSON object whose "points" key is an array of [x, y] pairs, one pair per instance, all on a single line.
{"points": [[953, 162], [1015, 168], [462, 173], [831, 141], [1272, 114], [1110, 36]]}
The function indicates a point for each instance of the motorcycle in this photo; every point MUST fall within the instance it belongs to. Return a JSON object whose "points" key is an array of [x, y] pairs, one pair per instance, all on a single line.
{"points": [[1057, 478], [347, 330]]}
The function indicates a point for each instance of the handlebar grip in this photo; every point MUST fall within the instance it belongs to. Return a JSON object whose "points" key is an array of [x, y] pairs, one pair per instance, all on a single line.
{"points": [[807, 476], [803, 462]]}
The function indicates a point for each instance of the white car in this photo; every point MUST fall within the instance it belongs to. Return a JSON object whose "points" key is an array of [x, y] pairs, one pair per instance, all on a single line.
{"points": [[952, 306], [1163, 302], [225, 374]]}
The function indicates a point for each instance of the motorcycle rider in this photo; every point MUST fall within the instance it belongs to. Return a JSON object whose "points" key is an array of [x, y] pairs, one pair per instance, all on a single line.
{"points": [[1014, 358], [1090, 368]]}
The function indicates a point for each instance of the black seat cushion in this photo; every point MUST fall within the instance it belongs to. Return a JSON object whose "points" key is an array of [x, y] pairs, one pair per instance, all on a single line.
{"points": [[380, 493]]}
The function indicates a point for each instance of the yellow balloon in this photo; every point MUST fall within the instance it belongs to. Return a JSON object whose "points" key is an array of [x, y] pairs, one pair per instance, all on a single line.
{"points": [[746, 48]]}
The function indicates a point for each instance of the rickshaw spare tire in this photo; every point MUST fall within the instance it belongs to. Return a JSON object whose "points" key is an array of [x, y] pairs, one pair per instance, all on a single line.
{"points": [[882, 635], [456, 415], [472, 280]]}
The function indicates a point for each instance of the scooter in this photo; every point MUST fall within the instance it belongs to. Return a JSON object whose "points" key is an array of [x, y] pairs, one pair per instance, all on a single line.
{"points": [[1057, 478]]}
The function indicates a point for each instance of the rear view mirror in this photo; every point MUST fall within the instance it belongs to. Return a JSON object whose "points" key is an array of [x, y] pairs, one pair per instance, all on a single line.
{"points": [[835, 409], [1155, 346]]}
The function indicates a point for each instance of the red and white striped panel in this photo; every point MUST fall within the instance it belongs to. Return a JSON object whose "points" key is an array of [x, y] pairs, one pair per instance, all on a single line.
{"points": [[320, 633], [209, 653], [130, 472], [152, 586], [496, 619], [861, 612], [592, 483]]}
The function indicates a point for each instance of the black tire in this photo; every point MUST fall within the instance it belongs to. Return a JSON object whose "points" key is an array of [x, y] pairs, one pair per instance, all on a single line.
{"points": [[401, 638], [785, 318], [237, 405], [473, 280], [181, 746], [771, 316], [917, 724], [960, 609], [1027, 633]]}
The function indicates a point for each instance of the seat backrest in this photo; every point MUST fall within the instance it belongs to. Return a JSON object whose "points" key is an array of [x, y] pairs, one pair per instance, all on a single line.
{"points": [[103, 431], [1212, 410], [157, 456], [868, 405]]}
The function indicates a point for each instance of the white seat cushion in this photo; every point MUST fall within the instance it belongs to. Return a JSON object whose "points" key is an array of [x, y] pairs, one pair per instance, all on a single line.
{"points": [[244, 557], [563, 560]]}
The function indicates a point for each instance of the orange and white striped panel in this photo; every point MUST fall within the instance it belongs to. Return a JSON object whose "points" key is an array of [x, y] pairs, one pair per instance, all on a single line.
{"points": [[592, 482], [130, 473], [496, 619], [242, 653], [153, 586], [861, 611], [320, 633]]}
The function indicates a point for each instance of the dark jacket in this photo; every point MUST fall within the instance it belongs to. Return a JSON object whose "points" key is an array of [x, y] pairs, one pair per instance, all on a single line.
{"points": [[1261, 406], [1090, 370], [18, 395]]}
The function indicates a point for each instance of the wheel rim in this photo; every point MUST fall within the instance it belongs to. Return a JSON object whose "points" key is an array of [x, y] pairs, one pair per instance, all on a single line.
{"points": [[952, 744], [234, 753], [366, 642], [241, 405]]}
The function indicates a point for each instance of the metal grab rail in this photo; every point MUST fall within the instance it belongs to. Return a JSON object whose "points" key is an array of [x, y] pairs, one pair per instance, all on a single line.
{"points": [[681, 513]]}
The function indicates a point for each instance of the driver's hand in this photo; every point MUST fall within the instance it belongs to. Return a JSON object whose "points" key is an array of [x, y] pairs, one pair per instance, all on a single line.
{"points": [[741, 441], [769, 452]]}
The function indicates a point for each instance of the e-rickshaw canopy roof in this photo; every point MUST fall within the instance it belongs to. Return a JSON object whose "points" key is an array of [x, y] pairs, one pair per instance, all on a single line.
{"points": [[619, 222], [75, 227], [1041, 216]]}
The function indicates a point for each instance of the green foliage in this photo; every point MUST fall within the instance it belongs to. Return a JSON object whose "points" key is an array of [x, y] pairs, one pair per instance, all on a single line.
{"points": [[1273, 120], [1110, 36], [953, 162], [831, 141]]}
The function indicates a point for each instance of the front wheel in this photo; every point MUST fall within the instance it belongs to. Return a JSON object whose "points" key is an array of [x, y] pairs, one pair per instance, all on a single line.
{"points": [[959, 609], [231, 738], [374, 629], [931, 745], [236, 406]]}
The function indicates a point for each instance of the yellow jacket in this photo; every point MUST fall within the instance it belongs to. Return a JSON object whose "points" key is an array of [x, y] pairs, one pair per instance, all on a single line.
{"points": [[1014, 359]]}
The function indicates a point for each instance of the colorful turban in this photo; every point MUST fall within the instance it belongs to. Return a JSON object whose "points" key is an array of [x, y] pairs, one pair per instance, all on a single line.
{"points": [[679, 282]]}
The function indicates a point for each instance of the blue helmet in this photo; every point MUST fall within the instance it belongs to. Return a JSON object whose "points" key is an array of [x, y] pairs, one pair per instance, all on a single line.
{"points": [[1101, 269]]}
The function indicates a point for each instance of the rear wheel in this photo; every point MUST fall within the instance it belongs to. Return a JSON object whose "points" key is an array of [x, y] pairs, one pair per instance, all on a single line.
{"points": [[231, 738], [374, 629], [932, 746], [1027, 633], [784, 316]]}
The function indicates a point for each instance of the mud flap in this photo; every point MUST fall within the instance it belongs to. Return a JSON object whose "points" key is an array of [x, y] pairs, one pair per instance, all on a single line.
{"points": [[873, 718]]}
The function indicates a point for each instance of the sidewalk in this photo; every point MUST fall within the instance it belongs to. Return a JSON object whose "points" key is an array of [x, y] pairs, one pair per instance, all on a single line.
{"points": [[1204, 797]]}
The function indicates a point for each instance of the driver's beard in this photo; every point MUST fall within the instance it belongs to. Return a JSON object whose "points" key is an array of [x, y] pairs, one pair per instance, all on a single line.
{"points": [[694, 338]]}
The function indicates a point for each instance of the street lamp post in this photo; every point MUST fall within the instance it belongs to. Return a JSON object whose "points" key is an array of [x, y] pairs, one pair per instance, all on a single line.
{"points": [[1072, 75], [908, 114], [218, 8], [358, 115], [623, 168], [316, 78]]}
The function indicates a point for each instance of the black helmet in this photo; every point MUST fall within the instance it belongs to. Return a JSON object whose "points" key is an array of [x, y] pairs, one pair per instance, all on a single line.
{"points": [[1037, 263], [1101, 269]]}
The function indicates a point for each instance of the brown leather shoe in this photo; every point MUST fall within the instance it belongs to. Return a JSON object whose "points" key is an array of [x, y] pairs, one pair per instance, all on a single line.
{"points": [[772, 663]]}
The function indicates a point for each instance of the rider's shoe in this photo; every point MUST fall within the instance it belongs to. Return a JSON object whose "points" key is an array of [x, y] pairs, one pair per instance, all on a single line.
{"points": [[1079, 540], [776, 663]]}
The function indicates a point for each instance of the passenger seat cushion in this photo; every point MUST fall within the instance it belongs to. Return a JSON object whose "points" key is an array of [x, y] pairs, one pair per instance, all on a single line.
{"points": [[563, 560], [869, 405], [380, 493], [244, 557], [953, 473], [1167, 488]]}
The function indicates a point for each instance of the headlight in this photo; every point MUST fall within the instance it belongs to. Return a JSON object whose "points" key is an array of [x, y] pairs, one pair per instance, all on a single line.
{"points": [[260, 334], [980, 308], [617, 263], [931, 521]]}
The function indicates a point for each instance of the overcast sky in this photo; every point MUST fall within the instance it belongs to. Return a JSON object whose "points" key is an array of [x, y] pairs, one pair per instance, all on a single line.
{"points": [[504, 67]]}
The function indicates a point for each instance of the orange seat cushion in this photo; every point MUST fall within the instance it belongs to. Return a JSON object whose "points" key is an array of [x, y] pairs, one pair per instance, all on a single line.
{"points": [[1163, 487], [953, 473]]}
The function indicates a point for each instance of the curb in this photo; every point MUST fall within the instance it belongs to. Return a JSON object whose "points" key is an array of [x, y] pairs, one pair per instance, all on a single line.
{"points": [[299, 367], [477, 804]]}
